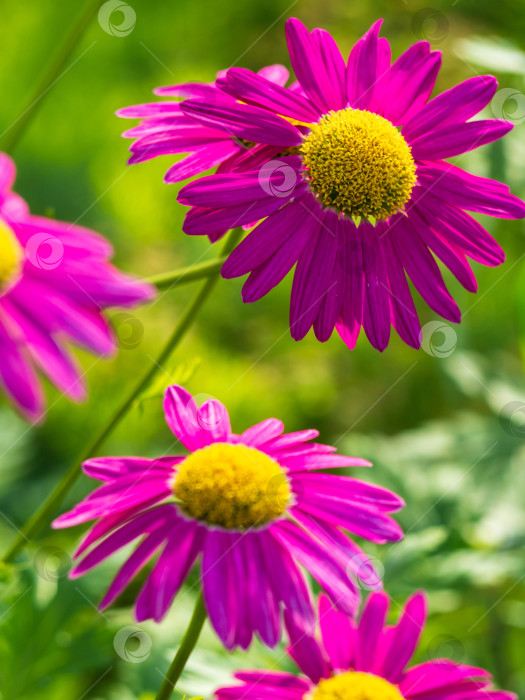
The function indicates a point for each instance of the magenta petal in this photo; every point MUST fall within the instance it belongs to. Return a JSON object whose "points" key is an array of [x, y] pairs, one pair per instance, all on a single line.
{"points": [[305, 650], [267, 275], [369, 631], [18, 378], [410, 82], [308, 61], [404, 638], [256, 90], [453, 106], [244, 121], [458, 138], [338, 635], [455, 186], [422, 269], [220, 585], [376, 311], [260, 433], [404, 315], [313, 278], [368, 62], [352, 273], [180, 411]]}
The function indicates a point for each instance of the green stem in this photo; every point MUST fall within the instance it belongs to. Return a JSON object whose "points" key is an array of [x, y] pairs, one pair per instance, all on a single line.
{"points": [[51, 76], [184, 275], [183, 654], [44, 514]]}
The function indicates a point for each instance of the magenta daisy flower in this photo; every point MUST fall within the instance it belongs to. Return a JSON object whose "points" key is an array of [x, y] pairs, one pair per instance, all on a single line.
{"points": [[55, 279], [253, 506], [364, 660], [358, 194]]}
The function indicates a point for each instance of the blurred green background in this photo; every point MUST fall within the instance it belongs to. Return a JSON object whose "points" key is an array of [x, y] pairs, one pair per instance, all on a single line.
{"points": [[444, 427]]}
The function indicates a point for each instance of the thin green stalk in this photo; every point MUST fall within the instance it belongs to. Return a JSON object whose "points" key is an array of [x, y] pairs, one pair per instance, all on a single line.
{"points": [[44, 514], [183, 654], [184, 275], [51, 76]]}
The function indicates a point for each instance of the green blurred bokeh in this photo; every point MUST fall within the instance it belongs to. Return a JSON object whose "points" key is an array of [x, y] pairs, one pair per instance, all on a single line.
{"points": [[445, 432]]}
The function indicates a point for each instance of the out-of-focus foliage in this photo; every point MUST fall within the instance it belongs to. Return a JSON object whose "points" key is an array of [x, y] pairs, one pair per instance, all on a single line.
{"points": [[446, 431]]}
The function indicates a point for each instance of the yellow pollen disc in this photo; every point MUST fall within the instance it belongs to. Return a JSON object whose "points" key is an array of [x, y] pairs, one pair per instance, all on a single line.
{"points": [[234, 487], [359, 164], [355, 685], [11, 256]]}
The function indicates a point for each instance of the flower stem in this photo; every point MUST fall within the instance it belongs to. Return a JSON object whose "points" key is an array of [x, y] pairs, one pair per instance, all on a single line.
{"points": [[183, 654], [184, 275], [44, 514], [51, 76]]}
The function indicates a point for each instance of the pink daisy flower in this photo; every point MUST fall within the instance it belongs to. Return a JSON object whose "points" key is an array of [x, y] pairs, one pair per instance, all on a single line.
{"points": [[358, 194], [253, 506], [55, 279], [365, 659]]}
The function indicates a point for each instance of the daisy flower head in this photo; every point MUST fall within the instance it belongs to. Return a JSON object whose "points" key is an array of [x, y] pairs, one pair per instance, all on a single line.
{"points": [[357, 193], [364, 659], [55, 280], [254, 509]]}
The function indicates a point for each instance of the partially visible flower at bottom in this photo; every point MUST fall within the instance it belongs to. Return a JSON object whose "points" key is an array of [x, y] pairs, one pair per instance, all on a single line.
{"points": [[55, 282], [251, 504], [364, 660]]}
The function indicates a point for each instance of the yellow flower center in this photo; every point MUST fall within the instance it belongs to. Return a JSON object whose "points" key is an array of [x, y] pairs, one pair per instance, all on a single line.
{"points": [[234, 487], [355, 685], [359, 164], [11, 256]]}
